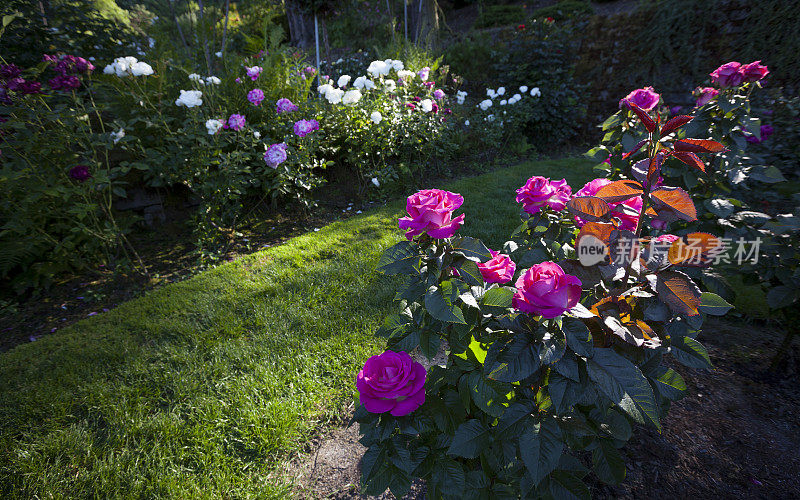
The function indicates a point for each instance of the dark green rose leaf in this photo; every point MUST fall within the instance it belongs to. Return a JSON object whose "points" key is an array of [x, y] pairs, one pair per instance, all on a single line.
{"points": [[402, 258], [623, 383], [711, 303], [608, 463], [690, 352], [440, 303], [470, 439], [540, 447]]}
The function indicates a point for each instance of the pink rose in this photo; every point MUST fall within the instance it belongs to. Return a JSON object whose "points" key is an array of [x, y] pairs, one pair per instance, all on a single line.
{"points": [[535, 194], [628, 221], [590, 189], [705, 95], [668, 238], [431, 211], [391, 382], [561, 195], [499, 269], [754, 71], [545, 290], [646, 98], [728, 75]]}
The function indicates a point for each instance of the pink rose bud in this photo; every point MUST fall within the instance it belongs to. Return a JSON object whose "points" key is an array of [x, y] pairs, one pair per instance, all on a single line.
{"points": [[391, 382], [431, 211], [754, 71], [668, 238], [728, 75], [545, 290], [646, 98], [499, 269]]}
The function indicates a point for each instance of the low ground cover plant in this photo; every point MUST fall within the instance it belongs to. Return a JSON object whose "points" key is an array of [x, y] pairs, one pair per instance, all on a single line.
{"points": [[553, 368]]}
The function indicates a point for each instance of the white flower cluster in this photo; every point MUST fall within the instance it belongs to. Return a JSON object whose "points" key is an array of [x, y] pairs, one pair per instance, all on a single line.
{"points": [[331, 93], [406, 74], [362, 82], [351, 97], [190, 98], [376, 117], [382, 68], [124, 66], [213, 126], [487, 103], [211, 80], [461, 96], [116, 136]]}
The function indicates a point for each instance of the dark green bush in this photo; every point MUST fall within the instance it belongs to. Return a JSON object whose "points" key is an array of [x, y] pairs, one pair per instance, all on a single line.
{"points": [[566, 9], [500, 15]]}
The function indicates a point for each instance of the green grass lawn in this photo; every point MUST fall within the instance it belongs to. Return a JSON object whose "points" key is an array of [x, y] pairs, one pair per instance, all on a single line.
{"points": [[202, 388]]}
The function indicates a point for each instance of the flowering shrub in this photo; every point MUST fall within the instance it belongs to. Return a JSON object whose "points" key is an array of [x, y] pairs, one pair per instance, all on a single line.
{"points": [[559, 363], [732, 190]]}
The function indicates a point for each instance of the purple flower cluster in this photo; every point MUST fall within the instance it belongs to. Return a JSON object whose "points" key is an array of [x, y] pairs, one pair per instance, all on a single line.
{"points": [[304, 127], [766, 131], [275, 155], [11, 81], [80, 173], [255, 96], [284, 105], [235, 121], [68, 68]]}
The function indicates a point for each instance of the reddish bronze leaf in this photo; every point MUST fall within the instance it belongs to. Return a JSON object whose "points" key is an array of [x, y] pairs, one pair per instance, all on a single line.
{"points": [[654, 169], [588, 208], [679, 292], [619, 191], [690, 159], [675, 201], [635, 148], [675, 123], [698, 146], [600, 230], [647, 121], [695, 250]]}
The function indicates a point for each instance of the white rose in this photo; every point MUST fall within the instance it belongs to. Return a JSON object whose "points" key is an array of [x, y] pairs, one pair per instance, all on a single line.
{"points": [[195, 77], [351, 97], [501, 91], [375, 181], [213, 80], [389, 85], [141, 69], [343, 80], [190, 98], [523, 89], [213, 126], [376, 117], [535, 92], [334, 95], [426, 105]]}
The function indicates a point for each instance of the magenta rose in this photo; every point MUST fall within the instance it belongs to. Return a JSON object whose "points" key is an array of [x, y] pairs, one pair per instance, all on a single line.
{"points": [[646, 98], [704, 95], [590, 189], [535, 194], [628, 221], [391, 382], [431, 211], [728, 75], [499, 269], [561, 195], [754, 71], [545, 290]]}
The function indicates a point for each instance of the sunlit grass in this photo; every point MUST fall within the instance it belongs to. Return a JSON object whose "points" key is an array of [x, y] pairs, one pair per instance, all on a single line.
{"points": [[200, 389]]}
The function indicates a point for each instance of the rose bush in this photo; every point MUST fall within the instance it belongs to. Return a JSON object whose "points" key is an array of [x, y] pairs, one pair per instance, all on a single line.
{"points": [[738, 193], [559, 363]]}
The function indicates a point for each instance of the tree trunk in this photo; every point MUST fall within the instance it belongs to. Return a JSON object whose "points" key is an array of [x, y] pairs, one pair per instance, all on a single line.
{"points": [[300, 32], [427, 22], [203, 37], [225, 29], [175, 18]]}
